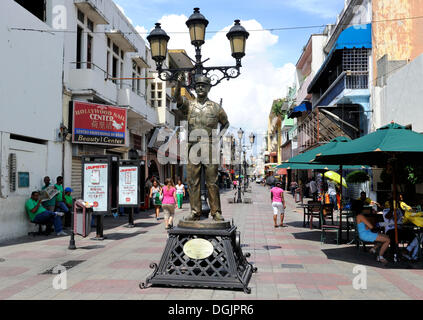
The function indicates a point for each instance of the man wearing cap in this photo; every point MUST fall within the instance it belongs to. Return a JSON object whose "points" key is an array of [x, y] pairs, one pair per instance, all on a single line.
{"points": [[69, 204], [204, 114]]}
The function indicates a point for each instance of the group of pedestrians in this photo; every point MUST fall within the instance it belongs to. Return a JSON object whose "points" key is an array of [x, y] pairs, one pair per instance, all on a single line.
{"points": [[50, 211], [167, 197]]}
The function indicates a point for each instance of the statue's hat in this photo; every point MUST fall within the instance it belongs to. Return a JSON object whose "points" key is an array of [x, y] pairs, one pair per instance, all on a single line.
{"points": [[202, 79]]}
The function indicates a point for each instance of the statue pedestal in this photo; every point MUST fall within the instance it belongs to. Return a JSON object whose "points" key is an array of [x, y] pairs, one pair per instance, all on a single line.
{"points": [[208, 254]]}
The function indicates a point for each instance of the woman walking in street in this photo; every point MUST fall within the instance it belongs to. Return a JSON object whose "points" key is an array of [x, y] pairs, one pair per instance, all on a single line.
{"points": [[278, 203], [155, 192], [180, 193], [169, 202]]}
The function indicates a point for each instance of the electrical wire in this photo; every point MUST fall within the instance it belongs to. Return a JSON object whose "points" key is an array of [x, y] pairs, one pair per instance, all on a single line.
{"points": [[220, 31]]}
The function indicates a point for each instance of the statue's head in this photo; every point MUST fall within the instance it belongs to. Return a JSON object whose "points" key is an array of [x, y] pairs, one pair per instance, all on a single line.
{"points": [[202, 86]]}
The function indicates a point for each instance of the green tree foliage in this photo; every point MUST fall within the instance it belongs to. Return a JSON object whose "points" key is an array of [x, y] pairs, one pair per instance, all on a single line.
{"points": [[405, 174], [277, 108]]}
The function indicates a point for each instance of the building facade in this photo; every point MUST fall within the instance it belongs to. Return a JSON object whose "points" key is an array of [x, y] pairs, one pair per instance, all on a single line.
{"points": [[100, 60]]}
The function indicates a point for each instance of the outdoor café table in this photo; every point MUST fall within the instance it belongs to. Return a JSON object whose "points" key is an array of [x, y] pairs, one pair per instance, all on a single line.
{"points": [[374, 217], [307, 207]]}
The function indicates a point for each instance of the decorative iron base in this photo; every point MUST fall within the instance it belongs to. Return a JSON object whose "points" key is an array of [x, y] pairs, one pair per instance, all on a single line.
{"points": [[227, 267]]}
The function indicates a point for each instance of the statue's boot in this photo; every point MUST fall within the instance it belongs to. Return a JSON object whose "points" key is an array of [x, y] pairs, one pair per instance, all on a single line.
{"points": [[218, 217], [192, 217]]}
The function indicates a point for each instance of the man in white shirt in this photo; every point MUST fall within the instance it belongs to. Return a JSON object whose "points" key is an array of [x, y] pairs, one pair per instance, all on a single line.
{"points": [[313, 189], [403, 234], [332, 193]]}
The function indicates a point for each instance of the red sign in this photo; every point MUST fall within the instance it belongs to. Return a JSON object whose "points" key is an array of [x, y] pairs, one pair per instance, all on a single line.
{"points": [[98, 124]]}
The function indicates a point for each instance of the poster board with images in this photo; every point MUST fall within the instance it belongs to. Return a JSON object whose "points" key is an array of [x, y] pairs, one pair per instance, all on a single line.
{"points": [[128, 188], [96, 185]]}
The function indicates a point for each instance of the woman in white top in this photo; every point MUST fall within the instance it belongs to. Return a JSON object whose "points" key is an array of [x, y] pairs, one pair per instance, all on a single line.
{"points": [[155, 193], [403, 234], [180, 193]]}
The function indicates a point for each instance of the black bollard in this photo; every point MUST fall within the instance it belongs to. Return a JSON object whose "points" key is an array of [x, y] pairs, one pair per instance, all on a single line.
{"points": [[72, 245]]}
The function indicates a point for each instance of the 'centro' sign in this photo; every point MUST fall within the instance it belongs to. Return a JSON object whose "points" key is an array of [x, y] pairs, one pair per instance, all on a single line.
{"points": [[98, 124]]}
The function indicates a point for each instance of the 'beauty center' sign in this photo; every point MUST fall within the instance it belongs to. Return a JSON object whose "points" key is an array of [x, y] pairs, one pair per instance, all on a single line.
{"points": [[98, 124]]}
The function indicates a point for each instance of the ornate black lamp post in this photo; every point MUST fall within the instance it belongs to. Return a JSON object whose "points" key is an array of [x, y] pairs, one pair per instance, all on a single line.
{"points": [[240, 134], [243, 149], [197, 24]]}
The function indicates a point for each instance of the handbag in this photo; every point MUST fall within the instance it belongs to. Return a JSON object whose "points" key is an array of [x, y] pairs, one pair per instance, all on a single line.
{"points": [[158, 199]]}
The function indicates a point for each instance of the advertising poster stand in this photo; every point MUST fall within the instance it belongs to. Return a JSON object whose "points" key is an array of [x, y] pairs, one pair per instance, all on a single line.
{"points": [[99, 177], [129, 187]]}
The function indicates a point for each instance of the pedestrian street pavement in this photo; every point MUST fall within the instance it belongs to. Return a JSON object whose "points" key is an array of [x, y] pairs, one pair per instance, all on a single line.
{"points": [[291, 261]]}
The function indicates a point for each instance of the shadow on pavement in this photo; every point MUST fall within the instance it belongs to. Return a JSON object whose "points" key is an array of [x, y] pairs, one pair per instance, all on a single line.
{"points": [[351, 255], [120, 236], [312, 235], [109, 223]]}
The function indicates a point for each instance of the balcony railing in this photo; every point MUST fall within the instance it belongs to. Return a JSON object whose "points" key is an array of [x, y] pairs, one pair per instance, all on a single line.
{"points": [[357, 80], [352, 80]]}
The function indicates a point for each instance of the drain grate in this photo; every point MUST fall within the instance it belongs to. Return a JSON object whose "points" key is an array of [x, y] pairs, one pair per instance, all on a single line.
{"points": [[292, 266], [68, 265]]}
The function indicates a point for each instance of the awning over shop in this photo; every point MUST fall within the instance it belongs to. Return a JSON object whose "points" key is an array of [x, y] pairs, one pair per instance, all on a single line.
{"points": [[359, 36], [298, 110]]}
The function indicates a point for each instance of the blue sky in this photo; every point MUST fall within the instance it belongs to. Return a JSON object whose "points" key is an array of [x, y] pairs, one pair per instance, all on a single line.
{"points": [[270, 13]]}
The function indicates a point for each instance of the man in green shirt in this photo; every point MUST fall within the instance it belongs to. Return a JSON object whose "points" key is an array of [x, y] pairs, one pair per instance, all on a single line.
{"points": [[60, 201], [68, 198], [50, 205], [38, 214]]}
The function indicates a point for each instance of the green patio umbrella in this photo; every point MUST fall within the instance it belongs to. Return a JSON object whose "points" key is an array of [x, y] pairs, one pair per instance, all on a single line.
{"points": [[304, 160], [392, 142]]}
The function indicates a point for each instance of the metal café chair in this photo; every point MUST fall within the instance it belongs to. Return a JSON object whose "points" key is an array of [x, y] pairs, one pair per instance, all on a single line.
{"points": [[313, 210], [326, 227]]}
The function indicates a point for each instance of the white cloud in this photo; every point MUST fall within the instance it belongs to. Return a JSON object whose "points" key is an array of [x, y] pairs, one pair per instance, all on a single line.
{"points": [[123, 12], [247, 99], [325, 9], [142, 31]]}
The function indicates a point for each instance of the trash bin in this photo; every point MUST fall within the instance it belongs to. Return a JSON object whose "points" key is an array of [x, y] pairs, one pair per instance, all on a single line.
{"points": [[82, 218]]}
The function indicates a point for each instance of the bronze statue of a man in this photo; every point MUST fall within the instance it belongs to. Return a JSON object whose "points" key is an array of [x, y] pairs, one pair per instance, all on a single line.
{"points": [[204, 114]]}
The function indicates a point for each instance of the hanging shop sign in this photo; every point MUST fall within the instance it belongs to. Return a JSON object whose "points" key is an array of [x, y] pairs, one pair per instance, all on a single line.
{"points": [[96, 185], [98, 124], [128, 185]]}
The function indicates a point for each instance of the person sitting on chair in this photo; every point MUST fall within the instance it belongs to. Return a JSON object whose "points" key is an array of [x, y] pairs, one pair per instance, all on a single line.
{"points": [[366, 201], [403, 234], [381, 241], [38, 214]]}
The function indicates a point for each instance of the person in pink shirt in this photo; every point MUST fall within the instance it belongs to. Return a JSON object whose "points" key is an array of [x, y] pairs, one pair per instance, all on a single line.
{"points": [[278, 203], [169, 202]]}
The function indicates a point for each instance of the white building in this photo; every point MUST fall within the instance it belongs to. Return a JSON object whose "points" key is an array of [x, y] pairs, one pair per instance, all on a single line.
{"points": [[77, 50], [31, 113]]}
